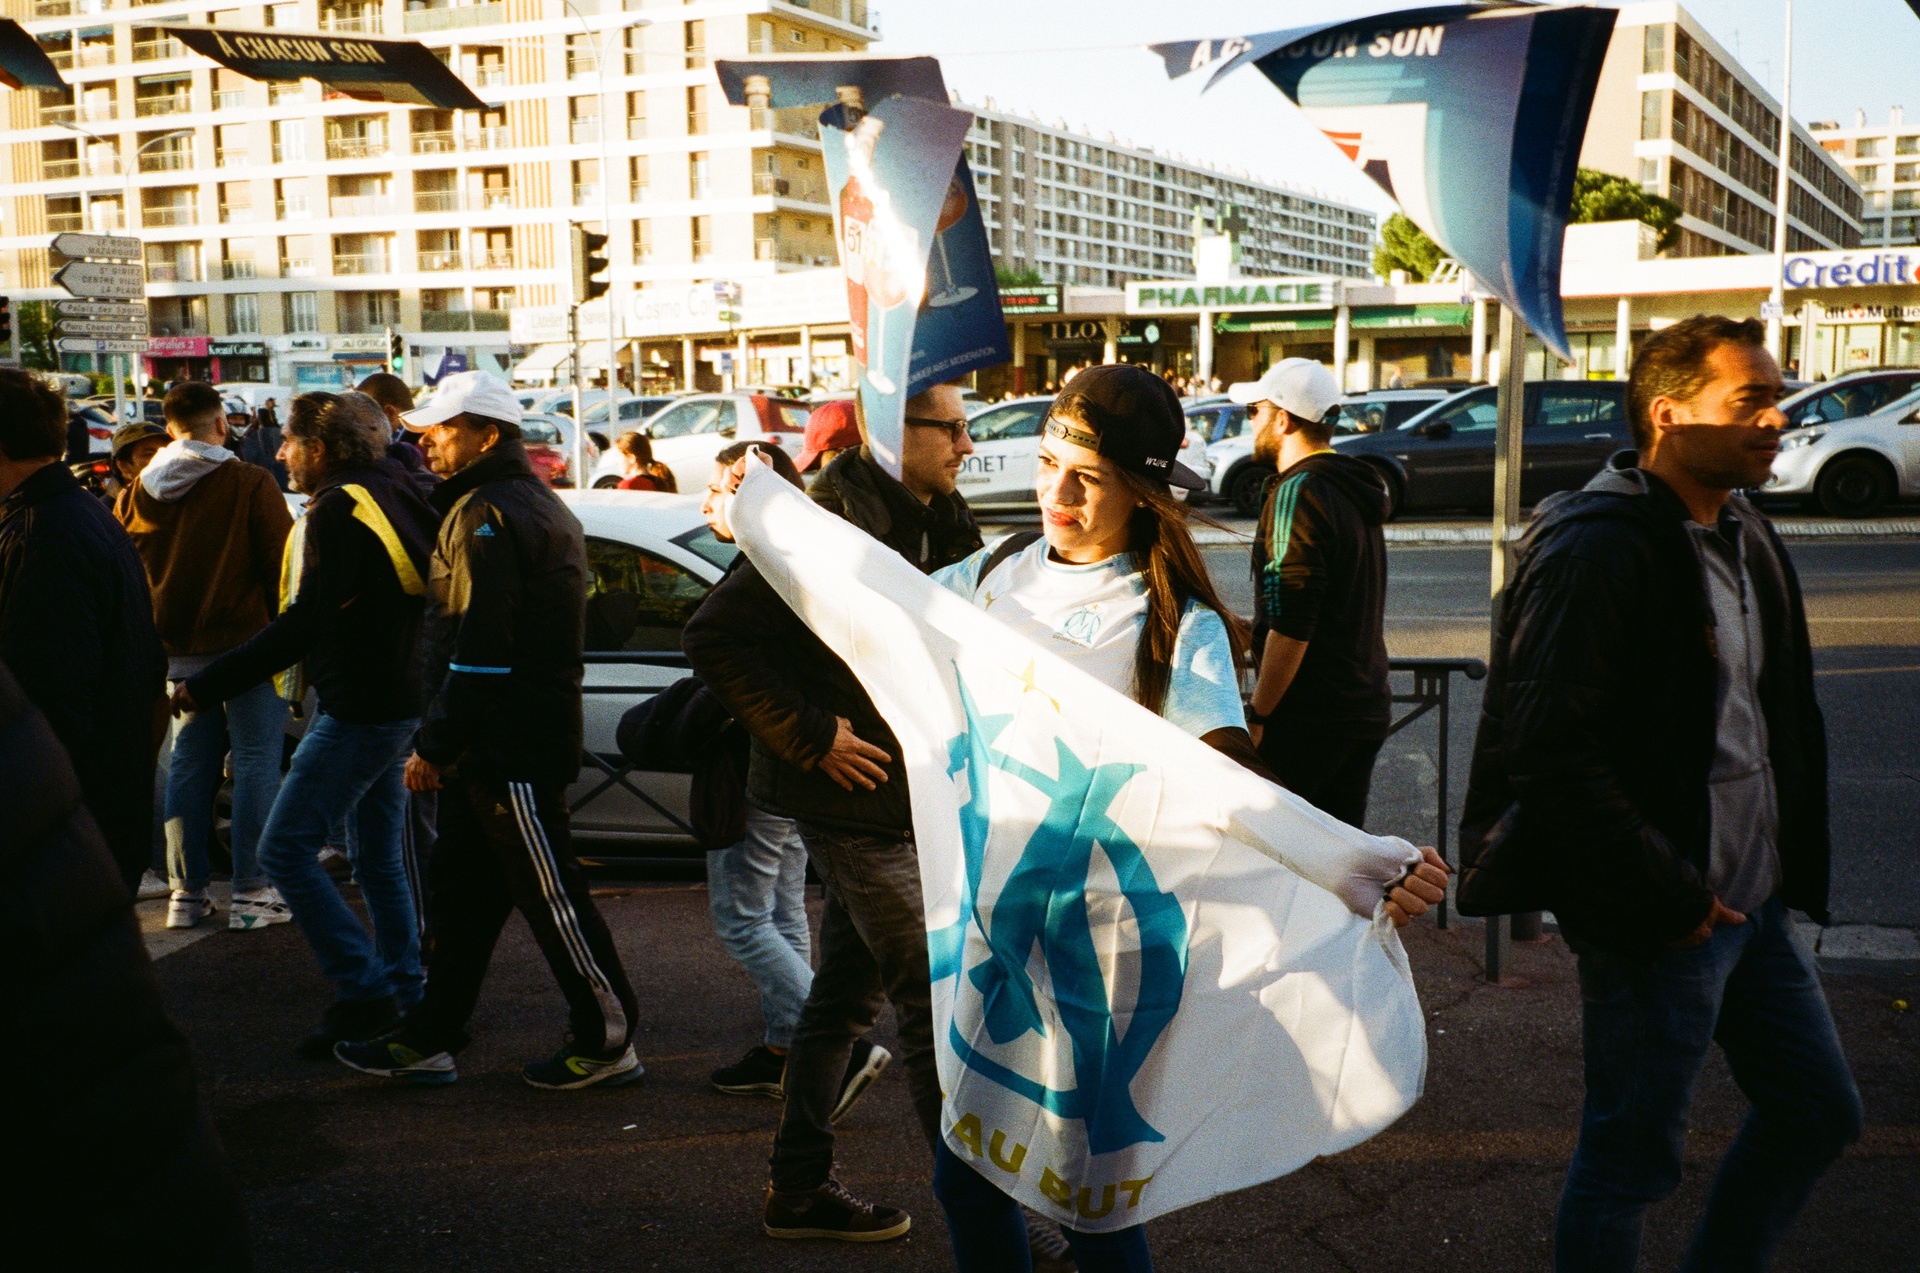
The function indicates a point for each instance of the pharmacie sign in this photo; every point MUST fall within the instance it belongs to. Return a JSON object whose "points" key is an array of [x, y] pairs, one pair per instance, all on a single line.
{"points": [[1852, 269], [1240, 294]]}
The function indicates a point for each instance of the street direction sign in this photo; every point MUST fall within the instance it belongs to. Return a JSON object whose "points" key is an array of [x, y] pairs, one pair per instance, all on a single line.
{"points": [[90, 345], [111, 247], [101, 327], [98, 279], [125, 310]]}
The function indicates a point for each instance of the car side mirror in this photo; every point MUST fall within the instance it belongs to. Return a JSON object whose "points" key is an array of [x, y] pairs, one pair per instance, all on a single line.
{"points": [[1437, 430], [1911, 417]]}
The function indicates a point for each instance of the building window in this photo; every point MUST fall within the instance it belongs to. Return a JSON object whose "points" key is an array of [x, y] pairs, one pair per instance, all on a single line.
{"points": [[696, 109], [1652, 115], [697, 175], [639, 179], [702, 238], [1867, 174], [289, 140], [1867, 148], [302, 311], [696, 44], [1905, 172], [642, 241], [636, 116], [1654, 59], [243, 315]]}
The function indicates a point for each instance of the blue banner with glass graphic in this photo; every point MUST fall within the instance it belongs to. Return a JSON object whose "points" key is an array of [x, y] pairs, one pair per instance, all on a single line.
{"points": [[1470, 116]]}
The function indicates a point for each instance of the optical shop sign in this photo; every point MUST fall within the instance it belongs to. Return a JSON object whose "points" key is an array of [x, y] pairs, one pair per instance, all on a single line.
{"points": [[1238, 294], [1852, 269]]}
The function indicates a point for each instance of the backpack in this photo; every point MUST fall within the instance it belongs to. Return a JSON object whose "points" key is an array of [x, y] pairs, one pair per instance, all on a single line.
{"points": [[685, 729]]}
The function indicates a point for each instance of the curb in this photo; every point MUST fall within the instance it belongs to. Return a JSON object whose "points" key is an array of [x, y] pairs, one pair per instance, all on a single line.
{"points": [[1893, 528]]}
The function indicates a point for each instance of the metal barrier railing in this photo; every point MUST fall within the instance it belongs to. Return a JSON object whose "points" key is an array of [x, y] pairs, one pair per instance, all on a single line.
{"points": [[1432, 692]]}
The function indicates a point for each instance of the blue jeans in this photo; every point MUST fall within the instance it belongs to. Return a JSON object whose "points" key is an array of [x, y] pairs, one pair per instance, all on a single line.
{"points": [[341, 769], [252, 726], [1647, 1031], [758, 893], [989, 1234]]}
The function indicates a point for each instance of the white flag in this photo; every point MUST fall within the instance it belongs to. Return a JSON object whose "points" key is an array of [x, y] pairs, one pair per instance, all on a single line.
{"points": [[1156, 977]]}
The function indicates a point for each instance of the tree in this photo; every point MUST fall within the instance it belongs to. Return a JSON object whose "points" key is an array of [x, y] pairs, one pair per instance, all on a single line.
{"points": [[1016, 278], [1405, 246], [34, 331], [1601, 196]]}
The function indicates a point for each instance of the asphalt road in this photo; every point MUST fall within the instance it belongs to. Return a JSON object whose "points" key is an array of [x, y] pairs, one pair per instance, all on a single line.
{"points": [[1863, 607]]}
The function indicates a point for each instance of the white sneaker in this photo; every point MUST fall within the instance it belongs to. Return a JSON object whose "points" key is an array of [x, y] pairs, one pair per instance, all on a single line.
{"points": [[188, 909], [258, 909], [152, 885]]}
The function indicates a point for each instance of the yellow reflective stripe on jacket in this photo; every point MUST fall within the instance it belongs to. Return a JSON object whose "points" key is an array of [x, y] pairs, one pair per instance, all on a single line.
{"points": [[369, 514], [290, 684]]}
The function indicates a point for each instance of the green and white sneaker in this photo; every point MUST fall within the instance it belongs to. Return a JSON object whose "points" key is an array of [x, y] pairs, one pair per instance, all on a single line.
{"points": [[570, 1068], [388, 1058], [257, 909], [185, 910]]}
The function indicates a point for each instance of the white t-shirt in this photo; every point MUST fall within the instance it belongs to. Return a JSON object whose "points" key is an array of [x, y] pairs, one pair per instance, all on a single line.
{"points": [[1093, 616]]}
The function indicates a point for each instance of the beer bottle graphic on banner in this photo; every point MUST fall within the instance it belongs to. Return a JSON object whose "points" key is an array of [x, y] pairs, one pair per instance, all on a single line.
{"points": [[878, 253], [856, 230]]}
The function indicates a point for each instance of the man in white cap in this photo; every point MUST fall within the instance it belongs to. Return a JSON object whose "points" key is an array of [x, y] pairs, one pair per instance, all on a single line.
{"points": [[1321, 705], [501, 739]]}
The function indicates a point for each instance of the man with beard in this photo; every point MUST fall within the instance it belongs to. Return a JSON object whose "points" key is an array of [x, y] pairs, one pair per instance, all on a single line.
{"points": [[1651, 766], [1321, 705]]}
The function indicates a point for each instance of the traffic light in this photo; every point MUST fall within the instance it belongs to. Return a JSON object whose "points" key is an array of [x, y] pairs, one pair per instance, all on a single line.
{"points": [[396, 352], [6, 325], [589, 259]]}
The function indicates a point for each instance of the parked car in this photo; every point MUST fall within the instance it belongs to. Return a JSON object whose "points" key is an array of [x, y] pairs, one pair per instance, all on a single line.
{"points": [[1006, 447], [632, 411], [650, 562], [1851, 467], [1443, 457], [1848, 397], [1241, 480], [687, 435], [549, 443]]}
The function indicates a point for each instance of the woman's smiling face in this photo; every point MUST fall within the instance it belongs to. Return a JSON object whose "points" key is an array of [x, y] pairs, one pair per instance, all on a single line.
{"points": [[1085, 508]]}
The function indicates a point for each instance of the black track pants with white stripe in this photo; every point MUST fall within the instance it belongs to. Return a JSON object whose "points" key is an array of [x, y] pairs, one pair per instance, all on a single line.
{"points": [[504, 845]]}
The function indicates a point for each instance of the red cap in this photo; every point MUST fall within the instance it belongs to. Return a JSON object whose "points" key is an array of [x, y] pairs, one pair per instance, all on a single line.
{"points": [[832, 427]]}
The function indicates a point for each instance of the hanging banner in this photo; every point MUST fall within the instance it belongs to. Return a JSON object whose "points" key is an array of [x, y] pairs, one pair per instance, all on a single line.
{"points": [[370, 70], [23, 63], [923, 305], [1435, 104], [1156, 976]]}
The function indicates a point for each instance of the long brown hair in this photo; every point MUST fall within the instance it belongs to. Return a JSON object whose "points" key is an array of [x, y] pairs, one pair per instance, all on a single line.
{"points": [[1162, 547]]}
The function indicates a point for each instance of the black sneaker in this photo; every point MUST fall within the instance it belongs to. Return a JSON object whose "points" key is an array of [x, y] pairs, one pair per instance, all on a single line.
{"points": [[570, 1068], [758, 1073], [349, 1021], [831, 1212], [1047, 1244], [863, 1067], [388, 1058]]}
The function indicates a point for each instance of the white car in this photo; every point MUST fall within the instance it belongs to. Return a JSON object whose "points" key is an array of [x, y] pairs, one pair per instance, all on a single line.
{"points": [[687, 435], [1852, 468], [1238, 479], [650, 562], [1006, 448]]}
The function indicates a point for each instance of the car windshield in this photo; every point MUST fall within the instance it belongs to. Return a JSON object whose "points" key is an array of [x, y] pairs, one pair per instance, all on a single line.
{"points": [[539, 433], [1020, 421], [1474, 409], [704, 543]]}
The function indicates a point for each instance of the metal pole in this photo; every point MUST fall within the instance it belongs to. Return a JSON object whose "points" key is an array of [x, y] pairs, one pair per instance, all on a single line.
{"points": [[1479, 346], [579, 424], [1440, 827], [1342, 337], [1622, 338], [1776, 298], [1507, 468]]}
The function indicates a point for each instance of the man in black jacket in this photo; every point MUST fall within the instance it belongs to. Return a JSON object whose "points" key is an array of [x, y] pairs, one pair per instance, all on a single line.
{"points": [[1651, 766], [823, 756], [112, 1156], [1321, 705], [76, 620], [501, 741], [353, 594]]}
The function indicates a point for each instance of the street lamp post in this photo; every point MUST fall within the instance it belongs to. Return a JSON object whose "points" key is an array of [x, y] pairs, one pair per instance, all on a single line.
{"points": [[126, 223], [1777, 297]]}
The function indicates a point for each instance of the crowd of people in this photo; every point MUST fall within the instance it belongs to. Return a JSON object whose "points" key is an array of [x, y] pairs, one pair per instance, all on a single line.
{"points": [[1649, 766]]}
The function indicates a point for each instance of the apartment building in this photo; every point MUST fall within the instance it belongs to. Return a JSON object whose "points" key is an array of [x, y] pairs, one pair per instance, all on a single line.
{"points": [[1081, 210], [1885, 162], [285, 228], [1678, 113]]}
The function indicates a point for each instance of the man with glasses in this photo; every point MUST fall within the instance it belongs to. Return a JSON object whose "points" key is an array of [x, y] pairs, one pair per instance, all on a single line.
{"points": [[1651, 766], [823, 756]]}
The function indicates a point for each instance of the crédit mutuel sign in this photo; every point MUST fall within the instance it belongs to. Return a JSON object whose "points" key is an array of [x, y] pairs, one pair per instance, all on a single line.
{"points": [[1852, 269], [1240, 295]]}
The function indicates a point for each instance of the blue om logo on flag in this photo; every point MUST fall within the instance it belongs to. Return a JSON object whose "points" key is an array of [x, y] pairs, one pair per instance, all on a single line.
{"points": [[1044, 901]]}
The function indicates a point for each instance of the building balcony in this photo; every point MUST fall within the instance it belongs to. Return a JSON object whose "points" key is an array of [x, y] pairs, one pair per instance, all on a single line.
{"points": [[637, 129], [795, 189], [639, 191], [581, 65], [493, 259], [172, 272], [62, 59], [585, 193], [496, 197], [360, 263], [60, 222], [581, 131], [230, 212], [435, 143], [297, 267], [58, 114], [171, 104], [158, 50], [229, 99], [436, 201], [490, 320], [449, 19], [295, 208], [245, 268], [797, 121], [360, 205], [491, 137], [440, 259], [174, 214], [230, 157], [356, 147], [445, 320], [59, 169], [369, 24], [696, 123], [166, 160], [490, 76]]}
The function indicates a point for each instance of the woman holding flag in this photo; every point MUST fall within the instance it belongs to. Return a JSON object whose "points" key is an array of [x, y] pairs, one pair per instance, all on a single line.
{"points": [[1115, 585]]}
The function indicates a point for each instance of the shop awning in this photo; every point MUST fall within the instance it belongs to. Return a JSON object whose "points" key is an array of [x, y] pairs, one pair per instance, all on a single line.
{"points": [[540, 360]]}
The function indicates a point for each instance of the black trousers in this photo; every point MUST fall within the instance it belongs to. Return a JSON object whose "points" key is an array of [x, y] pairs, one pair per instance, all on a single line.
{"points": [[504, 845], [1333, 775]]}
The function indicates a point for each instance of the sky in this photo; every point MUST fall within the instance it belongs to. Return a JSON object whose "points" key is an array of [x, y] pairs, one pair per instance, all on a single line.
{"points": [[1083, 61]]}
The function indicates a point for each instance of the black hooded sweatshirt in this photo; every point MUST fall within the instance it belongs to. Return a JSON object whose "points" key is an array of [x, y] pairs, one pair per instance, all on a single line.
{"points": [[1320, 576]]}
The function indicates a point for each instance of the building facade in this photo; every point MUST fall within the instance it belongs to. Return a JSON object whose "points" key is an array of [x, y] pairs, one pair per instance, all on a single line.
{"points": [[286, 229], [1885, 162], [1078, 210], [1677, 113]]}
